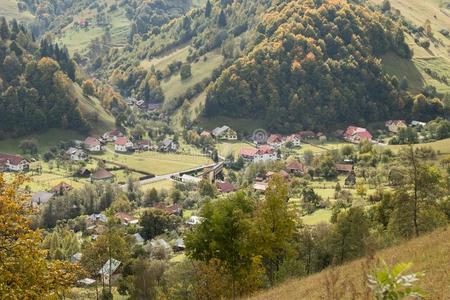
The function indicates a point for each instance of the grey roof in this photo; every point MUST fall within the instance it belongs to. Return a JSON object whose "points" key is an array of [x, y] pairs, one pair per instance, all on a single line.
{"points": [[220, 130], [110, 267], [98, 217], [41, 197], [180, 243], [76, 257], [139, 239], [159, 242]]}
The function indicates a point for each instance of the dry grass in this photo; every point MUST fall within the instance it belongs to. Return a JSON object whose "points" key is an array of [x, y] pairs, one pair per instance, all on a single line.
{"points": [[429, 254]]}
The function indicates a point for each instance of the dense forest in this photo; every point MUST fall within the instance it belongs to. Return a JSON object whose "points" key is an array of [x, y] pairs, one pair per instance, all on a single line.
{"points": [[317, 66], [36, 88]]}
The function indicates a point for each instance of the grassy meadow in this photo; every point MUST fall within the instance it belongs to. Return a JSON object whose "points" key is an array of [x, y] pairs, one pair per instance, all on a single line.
{"points": [[431, 260], [155, 162], [10, 10]]}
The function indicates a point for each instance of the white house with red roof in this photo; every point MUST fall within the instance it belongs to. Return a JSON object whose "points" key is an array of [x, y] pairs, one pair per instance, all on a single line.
{"points": [[123, 144], [295, 139], [356, 135], [275, 140], [92, 144], [394, 126], [14, 163], [112, 136], [263, 153]]}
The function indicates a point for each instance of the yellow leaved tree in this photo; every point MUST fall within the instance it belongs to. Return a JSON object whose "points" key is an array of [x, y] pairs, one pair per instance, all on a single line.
{"points": [[25, 272]]}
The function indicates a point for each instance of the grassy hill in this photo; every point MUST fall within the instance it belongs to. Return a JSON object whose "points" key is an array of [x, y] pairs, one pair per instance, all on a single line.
{"points": [[433, 260], [10, 11], [436, 58]]}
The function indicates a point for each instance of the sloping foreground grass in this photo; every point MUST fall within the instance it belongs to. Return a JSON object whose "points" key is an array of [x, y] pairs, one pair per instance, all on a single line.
{"points": [[429, 254]]}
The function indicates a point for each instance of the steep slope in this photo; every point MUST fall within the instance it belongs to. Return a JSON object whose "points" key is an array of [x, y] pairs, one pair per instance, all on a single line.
{"points": [[429, 254], [316, 68], [37, 91]]}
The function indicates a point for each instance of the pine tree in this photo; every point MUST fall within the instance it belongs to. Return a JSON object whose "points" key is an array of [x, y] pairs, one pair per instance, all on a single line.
{"points": [[222, 21], [208, 9], [4, 29]]}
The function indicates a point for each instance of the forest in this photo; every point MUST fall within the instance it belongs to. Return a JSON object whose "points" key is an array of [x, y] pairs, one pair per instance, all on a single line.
{"points": [[36, 85], [317, 67]]}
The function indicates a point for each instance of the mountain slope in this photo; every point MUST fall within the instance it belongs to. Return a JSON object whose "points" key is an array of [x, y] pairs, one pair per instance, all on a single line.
{"points": [[317, 67], [428, 254]]}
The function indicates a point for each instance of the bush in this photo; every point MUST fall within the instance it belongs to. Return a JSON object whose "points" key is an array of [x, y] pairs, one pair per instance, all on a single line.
{"points": [[185, 71]]}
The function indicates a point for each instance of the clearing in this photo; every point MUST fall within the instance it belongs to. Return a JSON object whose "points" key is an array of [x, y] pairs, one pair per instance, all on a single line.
{"points": [[227, 148], [11, 11], [442, 146], [155, 162], [431, 260]]}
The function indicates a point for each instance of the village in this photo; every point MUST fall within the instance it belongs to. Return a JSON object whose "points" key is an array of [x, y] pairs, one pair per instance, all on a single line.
{"points": [[230, 163]]}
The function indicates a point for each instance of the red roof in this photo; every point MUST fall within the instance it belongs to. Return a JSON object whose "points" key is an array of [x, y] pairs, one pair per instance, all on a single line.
{"points": [[122, 141], [265, 149], [275, 139], [101, 174], [225, 187], [297, 166], [124, 217], [205, 133], [12, 159], [91, 141], [62, 187], [248, 152], [344, 167], [360, 132]]}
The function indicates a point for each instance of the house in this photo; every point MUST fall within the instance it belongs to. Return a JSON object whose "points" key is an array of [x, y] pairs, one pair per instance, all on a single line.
{"points": [[260, 186], [102, 175], [248, 154], [224, 133], [76, 154], [179, 245], [123, 144], [84, 172], [140, 104], [356, 135], [275, 140], [13, 163], [112, 136], [225, 187], [85, 282], [143, 145], [110, 270], [394, 126], [263, 153], [307, 134], [76, 258], [92, 144], [344, 168], [153, 107], [61, 188], [418, 124], [126, 219], [294, 139], [174, 209], [205, 134], [297, 168], [168, 145], [161, 244], [139, 239], [194, 220], [97, 218], [41, 198]]}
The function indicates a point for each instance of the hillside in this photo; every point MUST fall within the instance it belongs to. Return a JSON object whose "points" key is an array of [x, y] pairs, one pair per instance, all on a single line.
{"points": [[415, 15], [39, 90], [434, 261], [316, 67]]}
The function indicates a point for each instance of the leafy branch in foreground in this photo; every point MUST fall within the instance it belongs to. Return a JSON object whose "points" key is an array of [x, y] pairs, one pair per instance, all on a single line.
{"points": [[392, 283]]}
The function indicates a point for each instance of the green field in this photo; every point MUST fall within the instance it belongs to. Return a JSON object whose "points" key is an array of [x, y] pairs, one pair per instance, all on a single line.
{"points": [[319, 216], [241, 125], [44, 140], [159, 185], [442, 146], [76, 40], [156, 163], [225, 148], [10, 10], [162, 62], [201, 70]]}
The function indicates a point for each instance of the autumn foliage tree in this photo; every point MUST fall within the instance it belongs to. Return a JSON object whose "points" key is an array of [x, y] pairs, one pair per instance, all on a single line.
{"points": [[25, 273]]}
